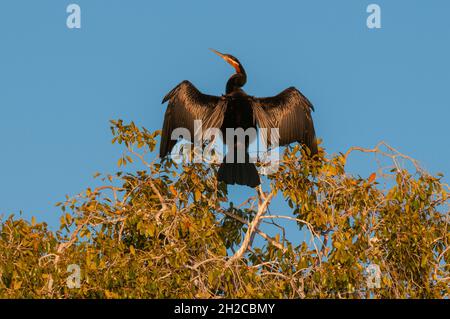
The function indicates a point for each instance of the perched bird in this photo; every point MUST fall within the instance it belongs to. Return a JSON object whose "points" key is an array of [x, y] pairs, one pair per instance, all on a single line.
{"points": [[289, 111]]}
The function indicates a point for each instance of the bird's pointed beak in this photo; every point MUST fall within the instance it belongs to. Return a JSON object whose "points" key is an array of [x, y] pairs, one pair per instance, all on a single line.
{"points": [[219, 54], [228, 60]]}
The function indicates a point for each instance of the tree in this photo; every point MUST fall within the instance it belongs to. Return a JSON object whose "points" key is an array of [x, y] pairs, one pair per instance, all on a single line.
{"points": [[168, 230]]}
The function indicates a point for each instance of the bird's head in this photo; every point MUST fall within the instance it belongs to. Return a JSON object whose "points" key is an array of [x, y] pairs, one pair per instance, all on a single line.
{"points": [[233, 61]]}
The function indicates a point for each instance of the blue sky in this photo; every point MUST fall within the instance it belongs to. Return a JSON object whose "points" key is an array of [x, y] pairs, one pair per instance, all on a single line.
{"points": [[60, 87]]}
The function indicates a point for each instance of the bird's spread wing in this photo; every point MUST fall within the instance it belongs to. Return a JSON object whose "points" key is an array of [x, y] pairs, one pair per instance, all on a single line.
{"points": [[290, 112], [187, 104]]}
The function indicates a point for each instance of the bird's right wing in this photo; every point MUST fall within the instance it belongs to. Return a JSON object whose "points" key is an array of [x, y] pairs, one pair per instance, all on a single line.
{"points": [[290, 113], [187, 104]]}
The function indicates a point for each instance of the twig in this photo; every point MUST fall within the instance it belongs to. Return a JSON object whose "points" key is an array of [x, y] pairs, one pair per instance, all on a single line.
{"points": [[262, 209], [257, 230]]}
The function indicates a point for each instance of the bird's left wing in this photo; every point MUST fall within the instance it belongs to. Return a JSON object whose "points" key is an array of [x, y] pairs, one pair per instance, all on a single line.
{"points": [[187, 104], [290, 112]]}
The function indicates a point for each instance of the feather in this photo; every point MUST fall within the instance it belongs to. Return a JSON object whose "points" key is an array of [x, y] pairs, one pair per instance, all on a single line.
{"points": [[290, 112], [187, 104]]}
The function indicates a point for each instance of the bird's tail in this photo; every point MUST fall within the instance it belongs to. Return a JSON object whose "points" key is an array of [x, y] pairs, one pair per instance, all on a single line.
{"points": [[239, 173]]}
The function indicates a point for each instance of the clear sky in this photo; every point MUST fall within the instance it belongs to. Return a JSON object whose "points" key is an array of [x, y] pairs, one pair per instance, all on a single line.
{"points": [[59, 87]]}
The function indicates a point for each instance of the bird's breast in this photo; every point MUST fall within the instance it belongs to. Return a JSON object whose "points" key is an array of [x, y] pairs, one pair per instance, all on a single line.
{"points": [[238, 114]]}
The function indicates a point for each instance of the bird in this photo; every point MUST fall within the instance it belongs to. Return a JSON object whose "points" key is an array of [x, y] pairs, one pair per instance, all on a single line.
{"points": [[289, 112]]}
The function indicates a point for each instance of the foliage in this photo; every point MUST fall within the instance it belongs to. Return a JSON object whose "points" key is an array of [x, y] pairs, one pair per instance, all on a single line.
{"points": [[169, 230]]}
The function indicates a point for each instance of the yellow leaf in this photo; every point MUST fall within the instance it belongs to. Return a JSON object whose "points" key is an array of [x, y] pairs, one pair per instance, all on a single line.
{"points": [[17, 285], [110, 294], [173, 190], [197, 195]]}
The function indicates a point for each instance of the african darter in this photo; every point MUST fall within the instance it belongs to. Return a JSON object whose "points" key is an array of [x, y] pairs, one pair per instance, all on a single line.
{"points": [[289, 111]]}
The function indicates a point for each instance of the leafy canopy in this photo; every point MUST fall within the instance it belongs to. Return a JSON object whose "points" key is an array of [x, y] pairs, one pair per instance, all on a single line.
{"points": [[169, 230]]}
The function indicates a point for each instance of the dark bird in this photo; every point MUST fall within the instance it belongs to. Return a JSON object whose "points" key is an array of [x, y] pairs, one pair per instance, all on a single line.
{"points": [[289, 111]]}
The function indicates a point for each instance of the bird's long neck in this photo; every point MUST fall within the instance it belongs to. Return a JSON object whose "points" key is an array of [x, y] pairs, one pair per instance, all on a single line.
{"points": [[236, 81]]}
